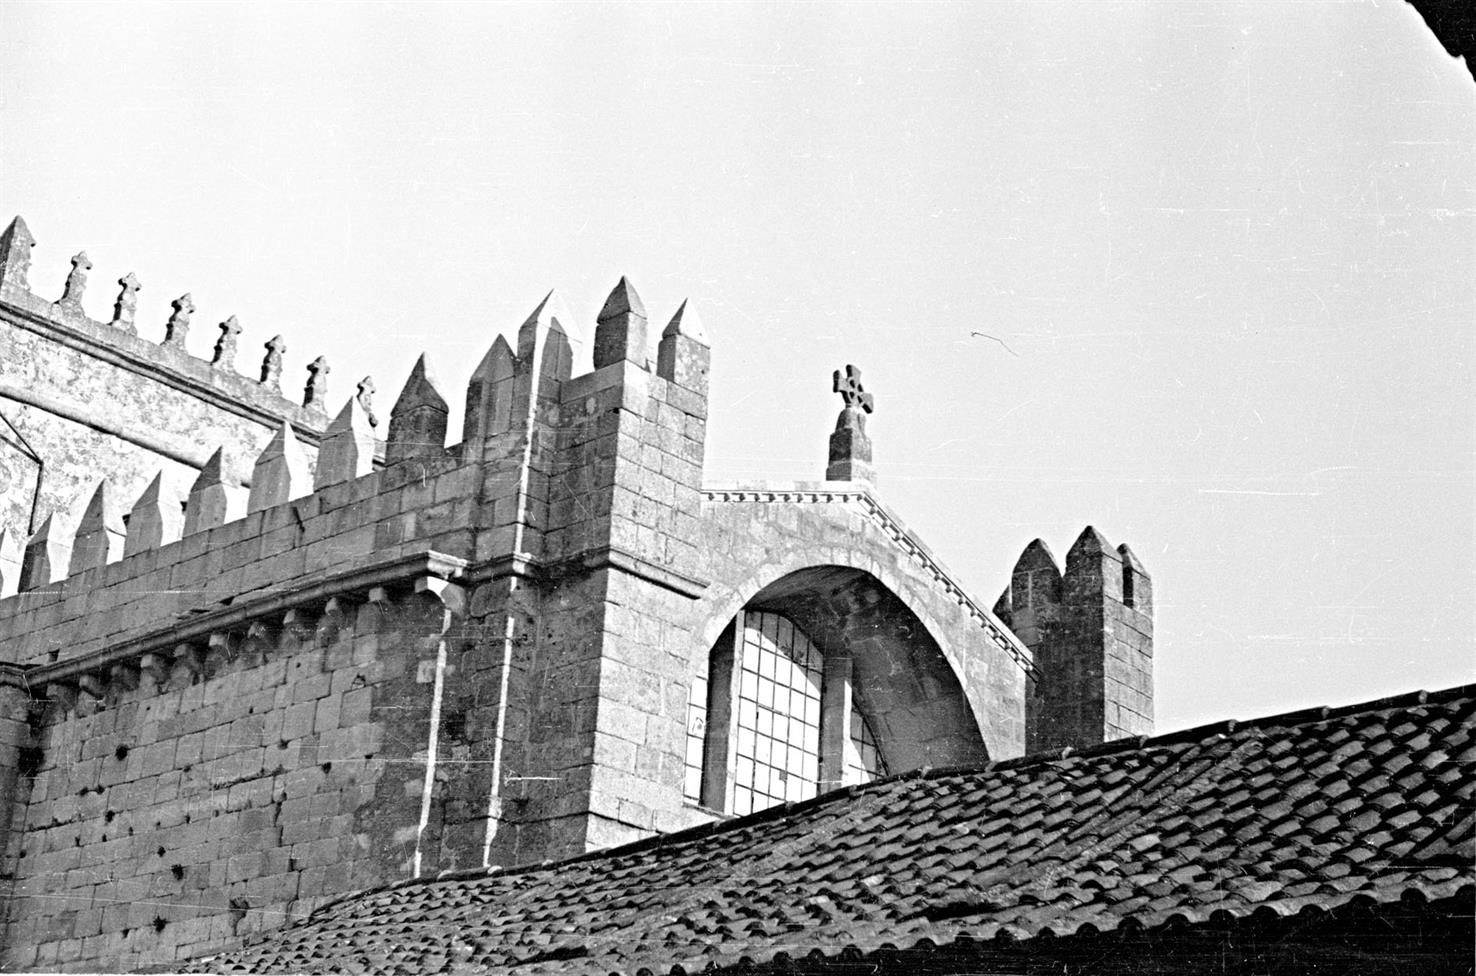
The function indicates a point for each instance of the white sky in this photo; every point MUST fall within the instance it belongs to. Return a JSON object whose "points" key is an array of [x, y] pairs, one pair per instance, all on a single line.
{"points": [[1231, 245]]}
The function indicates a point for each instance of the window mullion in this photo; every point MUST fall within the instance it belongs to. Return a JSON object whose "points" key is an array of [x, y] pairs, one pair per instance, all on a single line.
{"points": [[835, 720]]}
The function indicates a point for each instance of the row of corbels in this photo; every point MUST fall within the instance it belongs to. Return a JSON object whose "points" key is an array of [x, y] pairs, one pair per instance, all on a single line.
{"points": [[15, 258], [244, 644]]}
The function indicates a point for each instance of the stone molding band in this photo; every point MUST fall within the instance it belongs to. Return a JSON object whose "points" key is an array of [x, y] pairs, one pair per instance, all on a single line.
{"points": [[605, 557], [80, 414], [883, 518], [197, 628]]}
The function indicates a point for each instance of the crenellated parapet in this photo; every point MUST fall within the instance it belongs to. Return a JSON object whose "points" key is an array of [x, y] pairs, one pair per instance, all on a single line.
{"points": [[1090, 627], [554, 469], [165, 359]]}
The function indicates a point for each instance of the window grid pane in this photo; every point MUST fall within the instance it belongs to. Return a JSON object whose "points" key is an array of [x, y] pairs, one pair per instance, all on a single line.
{"points": [[778, 715], [696, 739], [864, 762]]}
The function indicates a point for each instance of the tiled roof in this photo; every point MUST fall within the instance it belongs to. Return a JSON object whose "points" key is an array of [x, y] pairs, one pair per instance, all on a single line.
{"points": [[1316, 808]]}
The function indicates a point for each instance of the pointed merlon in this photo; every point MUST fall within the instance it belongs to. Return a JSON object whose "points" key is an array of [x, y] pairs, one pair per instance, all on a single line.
{"points": [[488, 398], [225, 346], [417, 426], [549, 343], [11, 554], [271, 366], [1002, 608], [686, 322], [1093, 569], [623, 300], [1090, 542], [156, 519], [315, 394], [100, 534], [683, 355], [346, 451], [1036, 579], [214, 500], [178, 326], [1137, 585], [72, 291], [620, 331], [126, 307], [1037, 556], [45, 558], [281, 472], [365, 396], [15, 255], [1130, 559]]}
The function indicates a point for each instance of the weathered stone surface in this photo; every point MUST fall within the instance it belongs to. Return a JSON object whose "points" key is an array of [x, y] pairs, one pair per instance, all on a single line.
{"points": [[620, 331], [683, 355], [417, 426], [1091, 631], [365, 396], [123, 406], [11, 554], [347, 449], [178, 326], [271, 364], [850, 447], [214, 498], [125, 308], [281, 472], [300, 701], [225, 346], [315, 394], [76, 285], [100, 534], [157, 518], [46, 556], [15, 254], [489, 395]]}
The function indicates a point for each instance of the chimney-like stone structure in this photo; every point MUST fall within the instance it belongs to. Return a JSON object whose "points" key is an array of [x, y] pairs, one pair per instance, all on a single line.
{"points": [[1091, 631]]}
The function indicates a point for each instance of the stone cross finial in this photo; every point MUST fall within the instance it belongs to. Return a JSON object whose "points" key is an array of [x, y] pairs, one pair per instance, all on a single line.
{"points": [[850, 448], [366, 399], [271, 366], [71, 300], [849, 387], [127, 304], [315, 394], [225, 346], [178, 325]]}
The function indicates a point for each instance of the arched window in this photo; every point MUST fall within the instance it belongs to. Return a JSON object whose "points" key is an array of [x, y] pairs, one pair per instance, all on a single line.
{"points": [[774, 721]]}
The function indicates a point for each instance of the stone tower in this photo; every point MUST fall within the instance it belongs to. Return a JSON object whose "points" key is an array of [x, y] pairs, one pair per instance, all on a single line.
{"points": [[1091, 630]]}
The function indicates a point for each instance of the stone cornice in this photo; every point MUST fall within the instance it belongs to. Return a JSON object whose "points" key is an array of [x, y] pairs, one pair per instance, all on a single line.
{"points": [[196, 627], [863, 496], [223, 389], [605, 557]]}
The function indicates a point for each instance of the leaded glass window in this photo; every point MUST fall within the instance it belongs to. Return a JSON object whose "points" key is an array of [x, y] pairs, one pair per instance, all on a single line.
{"points": [[778, 722]]}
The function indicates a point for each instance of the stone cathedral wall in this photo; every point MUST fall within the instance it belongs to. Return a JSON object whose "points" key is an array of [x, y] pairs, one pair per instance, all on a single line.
{"points": [[357, 655]]}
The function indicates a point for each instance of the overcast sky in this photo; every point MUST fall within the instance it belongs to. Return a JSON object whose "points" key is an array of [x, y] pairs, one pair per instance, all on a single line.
{"points": [[1228, 248]]}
